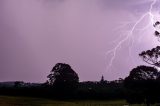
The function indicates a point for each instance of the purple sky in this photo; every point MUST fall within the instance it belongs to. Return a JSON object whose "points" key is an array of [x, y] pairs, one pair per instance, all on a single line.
{"points": [[37, 34]]}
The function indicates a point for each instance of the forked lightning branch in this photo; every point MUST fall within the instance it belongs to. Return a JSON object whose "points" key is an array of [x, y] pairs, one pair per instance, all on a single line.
{"points": [[129, 35]]}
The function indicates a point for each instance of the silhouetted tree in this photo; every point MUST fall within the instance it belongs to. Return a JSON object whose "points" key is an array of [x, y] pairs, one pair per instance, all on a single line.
{"points": [[143, 82], [63, 78], [152, 56], [144, 73], [142, 85], [157, 26]]}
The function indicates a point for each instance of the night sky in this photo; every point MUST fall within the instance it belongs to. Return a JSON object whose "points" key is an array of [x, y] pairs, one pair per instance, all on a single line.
{"points": [[37, 34]]}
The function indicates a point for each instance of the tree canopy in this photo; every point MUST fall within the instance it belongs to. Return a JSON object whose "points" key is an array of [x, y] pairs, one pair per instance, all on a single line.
{"points": [[143, 73], [142, 84], [152, 56], [63, 77]]}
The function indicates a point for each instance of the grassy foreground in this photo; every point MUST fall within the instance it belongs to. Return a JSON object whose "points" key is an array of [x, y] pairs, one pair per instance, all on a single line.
{"points": [[27, 101]]}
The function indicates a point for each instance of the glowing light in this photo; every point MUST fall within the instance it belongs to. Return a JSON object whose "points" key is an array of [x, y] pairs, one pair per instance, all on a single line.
{"points": [[129, 36]]}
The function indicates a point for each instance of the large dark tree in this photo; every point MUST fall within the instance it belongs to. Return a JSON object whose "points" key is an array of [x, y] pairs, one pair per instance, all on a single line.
{"points": [[63, 78], [144, 73], [142, 85]]}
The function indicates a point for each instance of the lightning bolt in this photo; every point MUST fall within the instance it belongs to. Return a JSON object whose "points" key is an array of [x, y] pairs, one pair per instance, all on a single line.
{"points": [[130, 33]]}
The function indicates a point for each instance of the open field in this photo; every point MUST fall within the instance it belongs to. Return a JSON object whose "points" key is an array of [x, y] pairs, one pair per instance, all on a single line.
{"points": [[26, 101]]}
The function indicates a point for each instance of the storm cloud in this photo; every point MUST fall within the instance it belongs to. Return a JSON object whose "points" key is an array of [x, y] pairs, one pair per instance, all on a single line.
{"points": [[37, 34]]}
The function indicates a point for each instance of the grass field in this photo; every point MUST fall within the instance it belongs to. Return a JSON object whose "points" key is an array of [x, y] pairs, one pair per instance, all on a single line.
{"points": [[26, 101]]}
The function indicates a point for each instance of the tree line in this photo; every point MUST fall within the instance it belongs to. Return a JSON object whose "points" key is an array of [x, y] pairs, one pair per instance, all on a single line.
{"points": [[63, 83]]}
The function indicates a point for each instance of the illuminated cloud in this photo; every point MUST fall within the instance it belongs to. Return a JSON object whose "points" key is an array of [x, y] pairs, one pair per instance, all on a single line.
{"points": [[37, 34]]}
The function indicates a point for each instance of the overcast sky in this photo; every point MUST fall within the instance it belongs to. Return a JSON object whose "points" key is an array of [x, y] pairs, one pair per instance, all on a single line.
{"points": [[37, 34]]}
